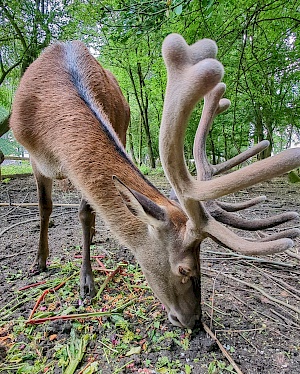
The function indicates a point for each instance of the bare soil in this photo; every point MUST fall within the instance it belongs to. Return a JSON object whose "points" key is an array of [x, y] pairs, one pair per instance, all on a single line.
{"points": [[260, 331]]}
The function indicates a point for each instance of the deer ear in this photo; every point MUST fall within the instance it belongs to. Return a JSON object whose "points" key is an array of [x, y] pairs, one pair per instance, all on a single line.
{"points": [[140, 206]]}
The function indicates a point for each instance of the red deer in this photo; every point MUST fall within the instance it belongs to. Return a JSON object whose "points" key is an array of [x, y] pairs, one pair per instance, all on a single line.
{"points": [[68, 111]]}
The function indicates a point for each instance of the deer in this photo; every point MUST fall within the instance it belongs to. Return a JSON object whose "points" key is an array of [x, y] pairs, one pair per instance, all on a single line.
{"points": [[70, 114]]}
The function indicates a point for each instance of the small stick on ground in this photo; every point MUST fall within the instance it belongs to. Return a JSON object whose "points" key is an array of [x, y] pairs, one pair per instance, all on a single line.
{"points": [[31, 285], [263, 292], [17, 254], [115, 311], [213, 298], [293, 254], [223, 350], [102, 266], [42, 296], [25, 205], [27, 221], [251, 258], [107, 280]]}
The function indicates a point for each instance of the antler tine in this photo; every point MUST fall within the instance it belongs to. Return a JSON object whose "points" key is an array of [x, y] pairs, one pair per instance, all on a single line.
{"points": [[213, 105], [192, 73], [236, 221], [234, 207], [290, 233], [234, 161], [229, 239], [248, 176]]}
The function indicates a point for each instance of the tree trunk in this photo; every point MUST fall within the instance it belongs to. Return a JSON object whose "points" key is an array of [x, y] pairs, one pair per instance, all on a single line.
{"points": [[1, 157], [149, 143], [213, 149], [4, 125], [259, 130], [130, 144], [140, 142], [268, 151], [142, 100]]}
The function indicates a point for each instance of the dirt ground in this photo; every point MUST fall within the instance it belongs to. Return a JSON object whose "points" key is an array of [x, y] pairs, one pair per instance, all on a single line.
{"points": [[256, 320]]}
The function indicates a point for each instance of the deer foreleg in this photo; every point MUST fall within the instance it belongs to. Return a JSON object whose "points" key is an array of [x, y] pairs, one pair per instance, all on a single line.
{"points": [[87, 219]]}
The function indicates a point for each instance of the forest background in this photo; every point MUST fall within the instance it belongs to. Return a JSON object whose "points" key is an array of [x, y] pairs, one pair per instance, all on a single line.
{"points": [[258, 45]]}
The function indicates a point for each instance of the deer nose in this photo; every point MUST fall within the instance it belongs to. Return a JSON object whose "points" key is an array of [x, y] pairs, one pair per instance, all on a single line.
{"points": [[186, 321], [174, 320]]}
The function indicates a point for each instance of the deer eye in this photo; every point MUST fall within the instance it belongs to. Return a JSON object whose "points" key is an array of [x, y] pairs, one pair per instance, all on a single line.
{"points": [[183, 271]]}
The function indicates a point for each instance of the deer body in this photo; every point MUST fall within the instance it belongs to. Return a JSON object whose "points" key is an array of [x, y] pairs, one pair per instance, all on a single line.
{"points": [[71, 116], [64, 113]]}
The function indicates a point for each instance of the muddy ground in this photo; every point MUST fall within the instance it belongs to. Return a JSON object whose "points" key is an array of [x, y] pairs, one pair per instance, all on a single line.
{"points": [[260, 331]]}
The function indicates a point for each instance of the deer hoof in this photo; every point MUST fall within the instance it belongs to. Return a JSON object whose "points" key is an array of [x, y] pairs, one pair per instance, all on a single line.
{"points": [[38, 267], [87, 287]]}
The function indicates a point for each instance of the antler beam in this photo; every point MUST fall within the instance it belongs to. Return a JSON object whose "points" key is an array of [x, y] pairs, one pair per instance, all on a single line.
{"points": [[194, 73]]}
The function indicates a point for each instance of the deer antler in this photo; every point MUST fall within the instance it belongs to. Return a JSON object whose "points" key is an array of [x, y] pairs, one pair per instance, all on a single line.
{"points": [[214, 105], [194, 73]]}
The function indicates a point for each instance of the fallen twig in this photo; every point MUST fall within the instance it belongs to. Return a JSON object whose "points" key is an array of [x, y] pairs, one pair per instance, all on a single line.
{"points": [[263, 292], [213, 298], [25, 205], [14, 208], [282, 284], [31, 285], [95, 256], [269, 318], [293, 254], [256, 259], [17, 224], [17, 254], [102, 266], [107, 280], [27, 221], [223, 350], [79, 316], [38, 321], [285, 319], [42, 296]]}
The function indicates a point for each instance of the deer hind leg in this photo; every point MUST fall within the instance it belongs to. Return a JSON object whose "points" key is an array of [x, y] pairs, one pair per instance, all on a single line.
{"points": [[87, 219], [44, 187]]}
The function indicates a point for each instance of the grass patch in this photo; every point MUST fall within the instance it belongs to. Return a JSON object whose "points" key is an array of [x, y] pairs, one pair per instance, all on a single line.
{"points": [[146, 170], [116, 331], [21, 167]]}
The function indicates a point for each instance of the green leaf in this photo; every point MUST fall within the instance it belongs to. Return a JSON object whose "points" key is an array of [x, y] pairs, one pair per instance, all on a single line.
{"points": [[76, 351], [134, 351], [178, 10]]}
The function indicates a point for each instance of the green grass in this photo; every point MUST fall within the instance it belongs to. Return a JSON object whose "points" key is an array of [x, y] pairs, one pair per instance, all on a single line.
{"points": [[108, 331], [23, 167], [146, 170], [116, 331]]}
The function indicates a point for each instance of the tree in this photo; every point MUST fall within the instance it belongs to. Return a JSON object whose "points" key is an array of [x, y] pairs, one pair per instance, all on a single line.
{"points": [[258, 46], [27, 27]]}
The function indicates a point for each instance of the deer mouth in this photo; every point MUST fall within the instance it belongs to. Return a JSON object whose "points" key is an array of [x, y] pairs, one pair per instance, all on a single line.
{"points": [[183, 321]]}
